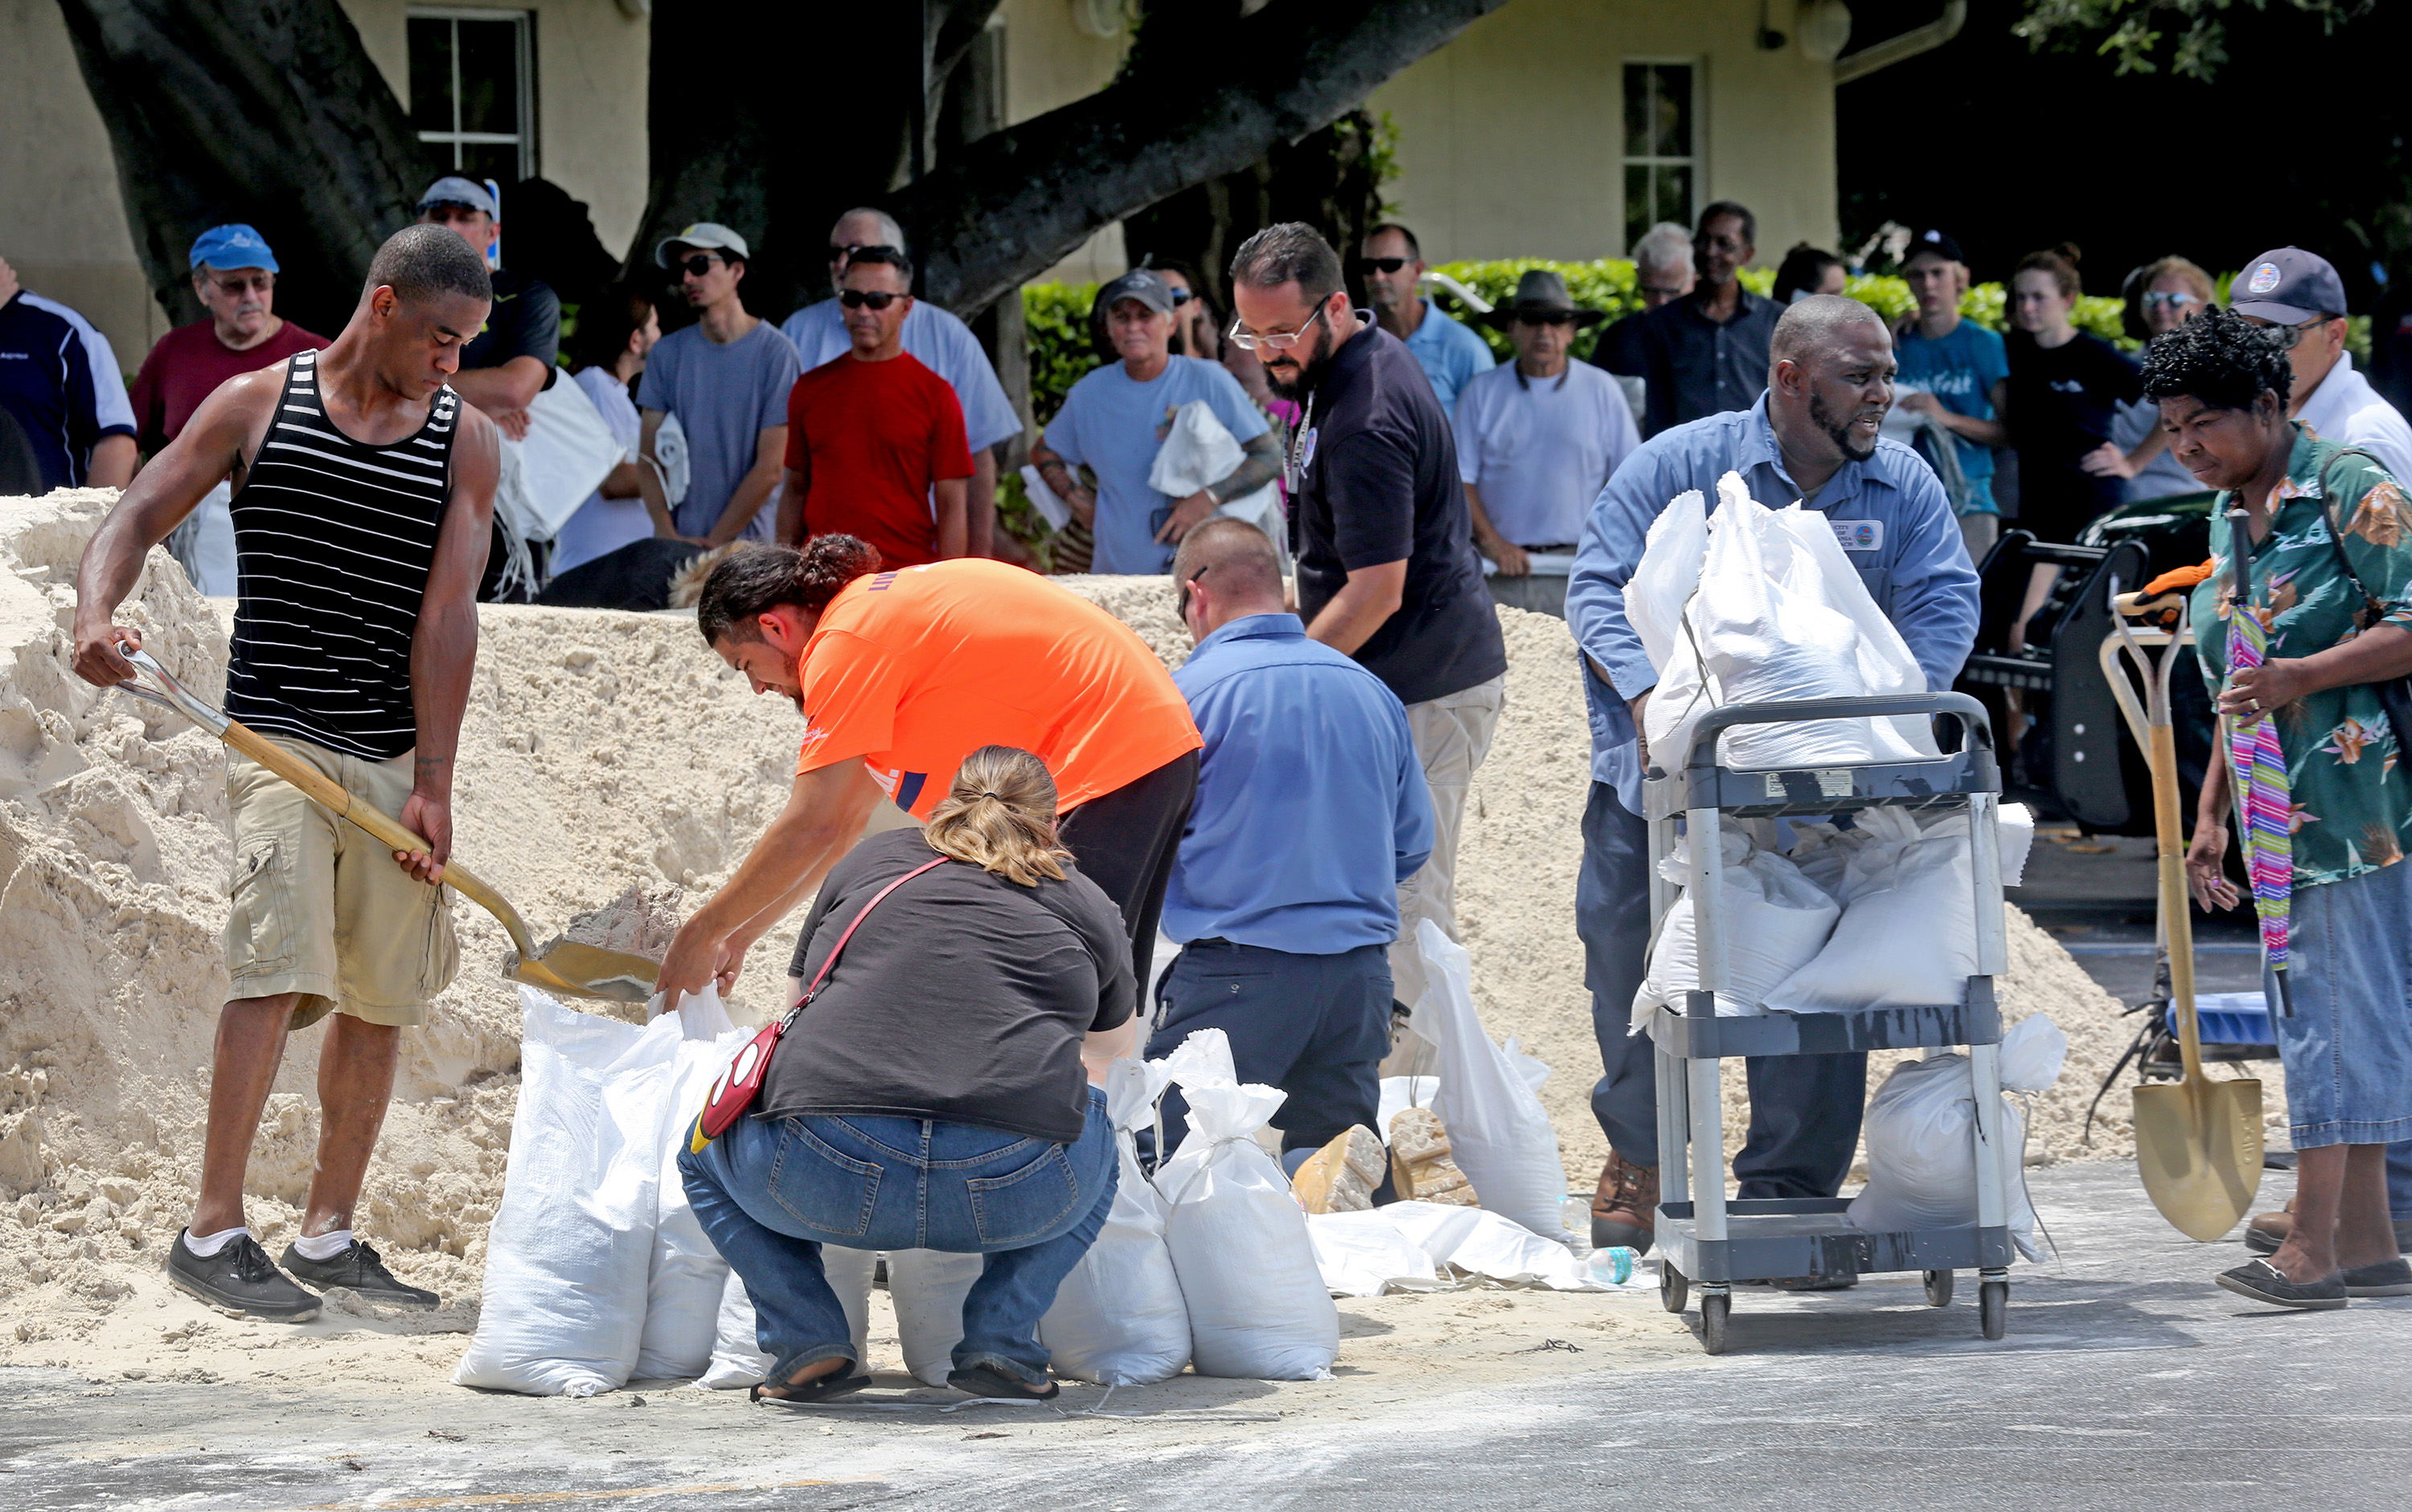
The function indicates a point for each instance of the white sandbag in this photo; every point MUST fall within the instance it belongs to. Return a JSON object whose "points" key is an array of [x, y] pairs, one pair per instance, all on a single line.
{"points": [[737, 1357], [1119, 1319], [687, 1277], [1657, 598], [1775, 921], [1907, 936], [568, 1256], [1920, 1134], [928, 1288], [1257, 1306], [1366, 1254], [1198, 450], [1485, 1244], [1498, 1133]]}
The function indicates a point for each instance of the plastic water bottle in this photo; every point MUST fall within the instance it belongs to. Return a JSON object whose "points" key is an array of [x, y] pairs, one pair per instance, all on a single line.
{"points": [[1612, 1266]]}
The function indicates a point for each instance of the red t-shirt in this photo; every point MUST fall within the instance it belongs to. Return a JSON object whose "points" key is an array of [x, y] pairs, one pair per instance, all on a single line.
{"points": [[876, 435], [188, 366]]}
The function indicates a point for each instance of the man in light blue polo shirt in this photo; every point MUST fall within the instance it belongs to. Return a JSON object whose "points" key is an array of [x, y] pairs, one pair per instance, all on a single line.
{"points": [[1311, 810], [1812, 437], [1392, 266]]}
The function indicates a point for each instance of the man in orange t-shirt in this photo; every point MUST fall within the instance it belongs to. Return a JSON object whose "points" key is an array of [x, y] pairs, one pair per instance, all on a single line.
{"points": [[900, 676]]}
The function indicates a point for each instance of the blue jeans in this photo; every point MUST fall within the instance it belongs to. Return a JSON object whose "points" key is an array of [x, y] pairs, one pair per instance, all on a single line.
{"points": [[2348, 1048], [1804, 1109], [771, 1194]]}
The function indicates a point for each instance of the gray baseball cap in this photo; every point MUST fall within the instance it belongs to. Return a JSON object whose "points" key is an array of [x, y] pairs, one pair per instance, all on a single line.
{"points": [[704, 236], [2289, 287], [1144, 284], [452, 190]]}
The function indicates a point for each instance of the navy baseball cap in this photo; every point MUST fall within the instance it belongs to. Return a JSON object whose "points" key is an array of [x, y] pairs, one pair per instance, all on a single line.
{"points": [[1942, 243], [2289, 287], [452, 190], [233, 247]]}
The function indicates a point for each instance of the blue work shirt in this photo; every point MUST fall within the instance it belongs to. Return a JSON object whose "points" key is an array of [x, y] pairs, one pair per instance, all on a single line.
{"points": [[1311, 805], [1917, 570], [1449, 354]]}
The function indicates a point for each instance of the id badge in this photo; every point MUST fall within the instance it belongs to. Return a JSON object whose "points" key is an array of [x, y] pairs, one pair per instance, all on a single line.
{"points": [[1859, 534]]}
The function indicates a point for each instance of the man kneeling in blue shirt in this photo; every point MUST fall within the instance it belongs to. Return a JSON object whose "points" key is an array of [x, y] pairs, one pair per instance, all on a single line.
{"points": [[1311, 810]]}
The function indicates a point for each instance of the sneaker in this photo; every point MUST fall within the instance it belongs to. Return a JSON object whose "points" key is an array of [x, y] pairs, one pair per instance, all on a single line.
{"points": [[359, 1269], [1625, 1208], [2265, 1282], [240, 1278], [2387, 1278]]}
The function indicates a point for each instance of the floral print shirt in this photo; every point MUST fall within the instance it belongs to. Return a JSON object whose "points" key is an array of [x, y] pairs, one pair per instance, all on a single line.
{"points": [[2351, 796]]}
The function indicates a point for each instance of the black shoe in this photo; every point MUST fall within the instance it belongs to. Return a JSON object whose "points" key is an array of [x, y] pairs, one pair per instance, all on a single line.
{"points": [[359, 1269], [2387, 1278], [2265, 1282], [240, 1278]]}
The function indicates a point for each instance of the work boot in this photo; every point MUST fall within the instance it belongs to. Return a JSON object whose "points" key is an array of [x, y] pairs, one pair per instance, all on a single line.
{"points": [[359, 1269], [1625, 1208], [240, 1278]]}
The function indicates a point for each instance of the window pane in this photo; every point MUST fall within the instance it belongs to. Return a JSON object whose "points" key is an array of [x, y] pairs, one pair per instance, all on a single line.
{"points": [[1675, 193], [1637, 109], [1673, 116], [1638, 216], [498, 161], [431, 74], [489, 76]]}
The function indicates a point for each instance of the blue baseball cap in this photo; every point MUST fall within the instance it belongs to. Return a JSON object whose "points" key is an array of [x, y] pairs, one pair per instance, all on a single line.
{"points": [[2289, 287], [233, 247]]}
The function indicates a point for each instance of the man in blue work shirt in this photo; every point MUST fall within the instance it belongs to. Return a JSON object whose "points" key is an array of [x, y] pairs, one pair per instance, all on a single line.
{"points": [[1393, 267], [1813, 437], [1311, 810]]}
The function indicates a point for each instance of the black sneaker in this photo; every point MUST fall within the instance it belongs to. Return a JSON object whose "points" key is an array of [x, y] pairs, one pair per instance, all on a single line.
{"points": [[359, 1269], [240, 1278]]}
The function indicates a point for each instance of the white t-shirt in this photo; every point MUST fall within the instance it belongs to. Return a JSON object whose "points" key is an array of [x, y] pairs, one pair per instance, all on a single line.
{"points": [[940, 341], [601, 525], [2344, 408], [1541, 449]]}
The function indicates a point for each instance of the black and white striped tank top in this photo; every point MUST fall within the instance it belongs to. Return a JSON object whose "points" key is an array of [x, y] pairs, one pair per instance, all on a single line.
{"points": [[333, 541]]}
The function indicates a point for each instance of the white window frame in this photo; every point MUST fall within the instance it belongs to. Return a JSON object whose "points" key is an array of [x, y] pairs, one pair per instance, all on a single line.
{"points": [[525, 139], [1696, 160]]}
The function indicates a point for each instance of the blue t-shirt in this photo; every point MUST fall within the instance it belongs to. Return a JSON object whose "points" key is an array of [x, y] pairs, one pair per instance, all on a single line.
{"points": [[1113, 425], [1961, 369], [1451, 355], [724, 397]]}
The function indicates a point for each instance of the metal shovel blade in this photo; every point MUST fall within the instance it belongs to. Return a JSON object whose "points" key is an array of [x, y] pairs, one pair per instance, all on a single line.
{"points": [[2199, 1150], [589, 971]]}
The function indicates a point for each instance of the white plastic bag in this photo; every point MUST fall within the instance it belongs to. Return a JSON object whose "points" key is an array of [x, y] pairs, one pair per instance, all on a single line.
{"points": [[928, 1288], [1655, 599], [1920, 1134], [1257, 1306], [1119, 1319], [737, 1357], [567, 1258], [1498, 1133], [688, 1276], [1198, 450], [1776, 920], [1907, 936]]}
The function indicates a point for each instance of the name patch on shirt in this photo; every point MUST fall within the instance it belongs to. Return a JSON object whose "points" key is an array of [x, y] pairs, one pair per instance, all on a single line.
{"points": [[1859, 534]]}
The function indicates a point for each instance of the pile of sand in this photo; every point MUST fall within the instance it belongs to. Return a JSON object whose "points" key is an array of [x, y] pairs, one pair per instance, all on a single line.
{"points": [[610, 767]]}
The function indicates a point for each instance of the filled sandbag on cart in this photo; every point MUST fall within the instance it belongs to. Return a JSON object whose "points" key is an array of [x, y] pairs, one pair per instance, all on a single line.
{"points": [[1775, 922], [1920, 1132]]}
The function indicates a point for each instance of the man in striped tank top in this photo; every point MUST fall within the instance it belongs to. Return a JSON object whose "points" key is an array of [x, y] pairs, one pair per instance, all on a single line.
{"points": [[363, 498]]}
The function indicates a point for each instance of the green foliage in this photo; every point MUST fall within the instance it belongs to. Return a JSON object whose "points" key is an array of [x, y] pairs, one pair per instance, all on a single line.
{"points": [[1056, 317], [2131, 32], [1019, 519]]}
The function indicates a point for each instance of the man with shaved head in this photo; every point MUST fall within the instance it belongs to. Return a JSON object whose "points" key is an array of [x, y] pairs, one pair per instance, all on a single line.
{"points": [[1812, 437], [1308, 762]]}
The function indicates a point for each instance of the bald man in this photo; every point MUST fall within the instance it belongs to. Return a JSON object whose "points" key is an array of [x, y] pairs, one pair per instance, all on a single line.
{"points": [[1812, 437]]}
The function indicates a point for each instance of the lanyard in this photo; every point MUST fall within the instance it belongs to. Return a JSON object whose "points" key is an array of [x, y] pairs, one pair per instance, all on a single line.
{"points": [[1293, 460]]}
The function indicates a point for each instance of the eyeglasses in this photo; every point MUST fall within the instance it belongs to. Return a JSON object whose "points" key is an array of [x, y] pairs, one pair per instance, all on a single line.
{"points": [[1276, 340], [1181, 593], [1381, 265], [256, 283], [1182, 297], [855, 298], [2286, 337], [699, 265], [2155, 299]]}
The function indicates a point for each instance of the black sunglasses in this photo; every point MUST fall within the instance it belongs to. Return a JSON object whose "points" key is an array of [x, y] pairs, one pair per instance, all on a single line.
{"points": [[1182, 297], [1182, 590], [1381, 265], [699, 265], [855, 298], [1545, 317]]}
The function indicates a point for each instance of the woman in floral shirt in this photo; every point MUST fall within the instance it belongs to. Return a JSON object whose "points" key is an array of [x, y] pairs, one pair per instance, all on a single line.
{"points": [[2222, 387]]}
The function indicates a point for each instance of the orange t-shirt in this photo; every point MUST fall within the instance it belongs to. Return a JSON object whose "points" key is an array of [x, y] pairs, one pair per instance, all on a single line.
{"points": [[911, 671]]}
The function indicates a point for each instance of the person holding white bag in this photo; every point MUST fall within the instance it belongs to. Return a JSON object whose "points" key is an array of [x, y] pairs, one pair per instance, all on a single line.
{"points": [[1813, 437]]}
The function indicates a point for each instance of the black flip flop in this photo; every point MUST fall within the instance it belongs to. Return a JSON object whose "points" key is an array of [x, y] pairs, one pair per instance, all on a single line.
{"points": [[819, 1389], [2265, 1282], [981, 1381]]}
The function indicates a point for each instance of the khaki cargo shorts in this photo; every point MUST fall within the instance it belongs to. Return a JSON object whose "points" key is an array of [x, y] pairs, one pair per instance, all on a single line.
{"points": [[319, 908]]}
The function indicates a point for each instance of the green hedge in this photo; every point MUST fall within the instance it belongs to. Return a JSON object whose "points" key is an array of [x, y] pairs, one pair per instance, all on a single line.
{"points": [[1056, 318]]}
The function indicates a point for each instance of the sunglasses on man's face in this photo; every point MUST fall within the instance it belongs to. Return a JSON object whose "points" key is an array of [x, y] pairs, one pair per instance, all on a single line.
{"points": [[1381, 265], [1545, 317], [699, 265], [856, 299]]}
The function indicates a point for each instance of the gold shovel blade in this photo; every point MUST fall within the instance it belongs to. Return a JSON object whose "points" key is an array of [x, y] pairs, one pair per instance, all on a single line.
{"points": [[590, 971], [2199, 1150]]}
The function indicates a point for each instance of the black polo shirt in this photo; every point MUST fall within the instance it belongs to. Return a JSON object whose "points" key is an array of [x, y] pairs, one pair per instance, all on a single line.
{"points": [[1697, 367], [1376, 481], [525, 322]]}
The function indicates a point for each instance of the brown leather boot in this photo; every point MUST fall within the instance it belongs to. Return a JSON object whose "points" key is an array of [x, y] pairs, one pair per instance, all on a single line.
{"points": [[2267, 1230], [1625, 1208]]}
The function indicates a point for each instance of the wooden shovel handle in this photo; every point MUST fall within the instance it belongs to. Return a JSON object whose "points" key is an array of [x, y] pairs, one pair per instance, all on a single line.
{"points": [[337, 800]]}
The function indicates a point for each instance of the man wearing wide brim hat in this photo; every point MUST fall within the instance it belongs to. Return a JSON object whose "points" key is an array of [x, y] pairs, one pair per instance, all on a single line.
{"points": [[1537, 438]]}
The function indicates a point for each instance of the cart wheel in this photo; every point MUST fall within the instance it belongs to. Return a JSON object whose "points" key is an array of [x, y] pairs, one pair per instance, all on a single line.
{"points": [[1713, 1308], [1673, 1290], [1938, 1288], [1993, 1308]]}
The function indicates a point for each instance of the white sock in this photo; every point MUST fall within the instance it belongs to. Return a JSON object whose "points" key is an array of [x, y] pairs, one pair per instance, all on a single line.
{"points": [[205, 1245], [326, 1246]]}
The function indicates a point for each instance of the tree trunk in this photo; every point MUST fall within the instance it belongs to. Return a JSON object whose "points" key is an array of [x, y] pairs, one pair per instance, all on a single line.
{"points": [[267, 111]]}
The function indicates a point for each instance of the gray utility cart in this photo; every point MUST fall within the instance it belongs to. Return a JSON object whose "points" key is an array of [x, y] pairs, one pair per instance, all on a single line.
{"points": [[1710, 1242]]}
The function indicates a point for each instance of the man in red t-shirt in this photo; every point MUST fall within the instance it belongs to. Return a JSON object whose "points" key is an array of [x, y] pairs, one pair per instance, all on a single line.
{"points": [[875, 440], [234, 276]]}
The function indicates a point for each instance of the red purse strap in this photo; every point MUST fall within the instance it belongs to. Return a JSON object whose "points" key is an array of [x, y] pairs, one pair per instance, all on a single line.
{"points": [[821, 976]]}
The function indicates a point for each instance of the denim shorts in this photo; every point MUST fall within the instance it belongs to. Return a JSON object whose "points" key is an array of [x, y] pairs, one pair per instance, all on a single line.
{"points": [[2348, 1046]]}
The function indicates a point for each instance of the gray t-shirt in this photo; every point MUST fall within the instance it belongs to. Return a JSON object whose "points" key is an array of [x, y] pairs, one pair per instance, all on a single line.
{"points": [[724, 397]]}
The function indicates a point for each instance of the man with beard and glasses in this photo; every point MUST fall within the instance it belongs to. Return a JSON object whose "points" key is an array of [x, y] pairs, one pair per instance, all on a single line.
{"points": [[1812, 437], [1385, 545]]}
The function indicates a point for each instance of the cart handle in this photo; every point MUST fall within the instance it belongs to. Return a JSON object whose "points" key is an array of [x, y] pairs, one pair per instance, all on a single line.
{"points": [[1977, 729]]}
